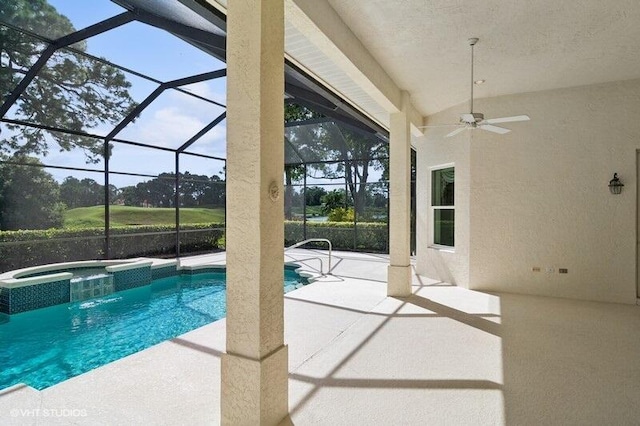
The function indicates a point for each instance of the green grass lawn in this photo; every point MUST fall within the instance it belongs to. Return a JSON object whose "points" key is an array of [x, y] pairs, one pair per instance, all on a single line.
{"points": [[311, 210], [85, 217]]}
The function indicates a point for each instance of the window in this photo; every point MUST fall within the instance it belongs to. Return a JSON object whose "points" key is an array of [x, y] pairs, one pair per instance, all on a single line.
{"points": [[442, 206]]}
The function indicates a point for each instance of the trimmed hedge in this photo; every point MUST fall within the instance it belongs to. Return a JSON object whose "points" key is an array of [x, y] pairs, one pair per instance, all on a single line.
{"points": [[21, 249], [366, 236]]}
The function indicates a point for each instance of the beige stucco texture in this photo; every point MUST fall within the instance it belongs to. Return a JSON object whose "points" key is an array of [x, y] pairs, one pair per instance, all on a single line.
{"points": [[254, 370], [538, 198], [399, 279]]}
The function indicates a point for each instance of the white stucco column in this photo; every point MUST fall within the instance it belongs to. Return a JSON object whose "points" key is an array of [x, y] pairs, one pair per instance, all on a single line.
{"points": [[399, 278], [254, 369]]}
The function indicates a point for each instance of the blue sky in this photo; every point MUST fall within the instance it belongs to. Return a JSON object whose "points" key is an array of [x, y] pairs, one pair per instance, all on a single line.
{"points": [[171, 119]]}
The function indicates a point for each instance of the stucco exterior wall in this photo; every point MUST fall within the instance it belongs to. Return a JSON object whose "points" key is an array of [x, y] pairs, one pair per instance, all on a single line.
{"points": [[538, 196], [448, 265]]}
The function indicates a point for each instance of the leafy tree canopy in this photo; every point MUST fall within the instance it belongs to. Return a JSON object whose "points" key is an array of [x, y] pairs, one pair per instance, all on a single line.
{"points": [[84, 193], [334, 152], [30, 197], [195, 191], [294, 171], [333, 200], [71, 91], [295, 149], [313, 195]]}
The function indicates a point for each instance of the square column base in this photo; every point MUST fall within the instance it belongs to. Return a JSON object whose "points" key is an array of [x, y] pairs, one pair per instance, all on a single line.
{"points": [[255, 392], [399, 281]]}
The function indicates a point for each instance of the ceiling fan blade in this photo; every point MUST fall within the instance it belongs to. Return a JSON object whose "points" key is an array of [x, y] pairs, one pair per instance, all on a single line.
{"points": [[467, 118], [438, 125], [507, 119], [455, 132], [494, 129]]}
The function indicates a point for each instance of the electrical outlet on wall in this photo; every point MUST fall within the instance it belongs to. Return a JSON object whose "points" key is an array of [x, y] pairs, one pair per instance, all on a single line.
{"points": [[550, 269], [535, 269]]}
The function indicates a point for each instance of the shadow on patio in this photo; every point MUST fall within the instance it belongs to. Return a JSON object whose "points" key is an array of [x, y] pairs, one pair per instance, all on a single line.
{"points": [[444, 355]]}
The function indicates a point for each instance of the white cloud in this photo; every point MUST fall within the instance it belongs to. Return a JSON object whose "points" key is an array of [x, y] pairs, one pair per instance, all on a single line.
{"points": [[174, 118], [168, 127], [214, 90]]}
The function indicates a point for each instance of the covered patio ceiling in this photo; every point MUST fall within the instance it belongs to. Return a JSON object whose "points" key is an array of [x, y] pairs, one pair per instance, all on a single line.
{"points": [[369, 51]]}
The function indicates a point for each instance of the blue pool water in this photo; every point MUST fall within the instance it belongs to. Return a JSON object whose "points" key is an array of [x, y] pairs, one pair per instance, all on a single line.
{"points": [[47, 346]]}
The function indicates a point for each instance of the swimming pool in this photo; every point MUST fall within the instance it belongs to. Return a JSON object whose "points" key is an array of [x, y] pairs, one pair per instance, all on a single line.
{"points": [[49, 345]]}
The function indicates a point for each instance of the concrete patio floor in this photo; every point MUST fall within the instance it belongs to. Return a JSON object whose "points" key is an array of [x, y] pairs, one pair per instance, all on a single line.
{"points": [[444, 356]]}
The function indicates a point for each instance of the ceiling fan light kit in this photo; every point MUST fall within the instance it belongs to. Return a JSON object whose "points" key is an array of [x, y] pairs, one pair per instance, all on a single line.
{"points": [[476, 120]]}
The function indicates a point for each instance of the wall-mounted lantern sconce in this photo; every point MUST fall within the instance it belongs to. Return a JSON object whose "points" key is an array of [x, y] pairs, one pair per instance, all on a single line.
{"points": [[615, 186]]}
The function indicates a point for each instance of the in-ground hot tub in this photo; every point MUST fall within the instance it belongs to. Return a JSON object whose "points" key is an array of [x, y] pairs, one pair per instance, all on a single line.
{"points": [[42, 286]]}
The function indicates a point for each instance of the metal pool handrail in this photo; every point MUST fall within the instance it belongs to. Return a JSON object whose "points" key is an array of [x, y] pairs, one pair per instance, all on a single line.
{"points": [[312, 240]]}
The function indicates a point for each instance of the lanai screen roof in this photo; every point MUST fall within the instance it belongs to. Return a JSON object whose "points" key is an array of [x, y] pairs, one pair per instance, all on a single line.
{"points": [[47, 50]]}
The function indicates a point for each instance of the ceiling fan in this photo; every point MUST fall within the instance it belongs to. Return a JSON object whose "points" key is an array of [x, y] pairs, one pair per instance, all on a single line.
{"points": [[476, 120]]}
